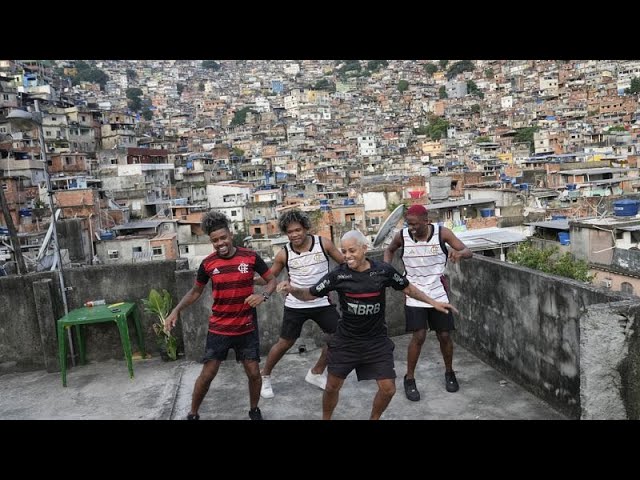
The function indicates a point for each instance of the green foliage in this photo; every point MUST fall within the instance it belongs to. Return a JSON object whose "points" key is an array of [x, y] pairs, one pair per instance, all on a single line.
{"points": [[634, 88], [548, 260], [133, 92], [211, 65], [473, 89], [180, 88], [201, 87], [147, 114], [443, 64], [159, 304], [617, 128], [375, 65], [324, 84], [475, 108], [459, 67], [488, 73], [238, 151], [526, 135], [131, 74], [88, 73], [240, 117], [483, 139], [430, 69], [435, 129], [442, 93], [403, 85]]}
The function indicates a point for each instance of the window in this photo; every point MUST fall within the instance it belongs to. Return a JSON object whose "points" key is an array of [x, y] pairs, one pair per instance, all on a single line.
{"points": [[136, 249], [113, 254], [158, 251], [626, 287], [234, 213], [258, 231]]}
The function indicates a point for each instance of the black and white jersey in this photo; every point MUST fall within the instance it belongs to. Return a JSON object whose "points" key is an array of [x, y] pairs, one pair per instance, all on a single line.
{"points": [[362, 297]]}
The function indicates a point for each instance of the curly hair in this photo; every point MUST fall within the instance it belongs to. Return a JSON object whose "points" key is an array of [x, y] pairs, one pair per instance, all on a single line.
{"points": [[213, 221], [293, 215]]}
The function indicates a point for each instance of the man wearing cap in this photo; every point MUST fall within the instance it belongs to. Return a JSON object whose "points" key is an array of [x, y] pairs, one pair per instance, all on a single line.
{"points": [[425, 254]]}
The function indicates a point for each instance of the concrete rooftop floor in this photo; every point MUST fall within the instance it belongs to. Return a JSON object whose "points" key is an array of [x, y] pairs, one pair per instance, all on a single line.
{"points": [[162, 390]]}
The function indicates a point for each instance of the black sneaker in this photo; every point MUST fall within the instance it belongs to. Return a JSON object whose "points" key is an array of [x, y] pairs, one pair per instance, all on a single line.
{"points": [[255, 414], [411, 390], [451, 382], [193, 416]]}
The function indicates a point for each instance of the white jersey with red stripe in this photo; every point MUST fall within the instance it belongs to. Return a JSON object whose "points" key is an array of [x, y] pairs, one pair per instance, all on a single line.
{"points": [[424, 263]]}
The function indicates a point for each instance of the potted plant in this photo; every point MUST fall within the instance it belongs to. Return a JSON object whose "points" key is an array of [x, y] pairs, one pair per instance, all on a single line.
{"points": [[159, 304]]}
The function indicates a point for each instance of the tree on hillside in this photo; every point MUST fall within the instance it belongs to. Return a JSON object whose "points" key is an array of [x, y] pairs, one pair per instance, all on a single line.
{"points": [[460, 67], [634, 88], [240, 117], [442, 92], [526, 135], [211, 65], [403, 85], [443, 64], [430, 69]]}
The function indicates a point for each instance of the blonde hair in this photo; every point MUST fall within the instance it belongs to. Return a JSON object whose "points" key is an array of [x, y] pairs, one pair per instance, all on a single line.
{"points": [[355, 235]]}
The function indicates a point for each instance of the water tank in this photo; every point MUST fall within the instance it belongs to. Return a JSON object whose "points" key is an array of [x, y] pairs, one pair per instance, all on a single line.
{"points": [[571, 186], [25, 212], [107, 235], [487, 212], [563, 237], [625, 208], [558, 217], [324, 201]]}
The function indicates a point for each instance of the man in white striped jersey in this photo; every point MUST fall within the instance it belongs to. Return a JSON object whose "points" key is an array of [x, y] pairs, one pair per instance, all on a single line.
{"points": [[306, 258], [425, 254]]}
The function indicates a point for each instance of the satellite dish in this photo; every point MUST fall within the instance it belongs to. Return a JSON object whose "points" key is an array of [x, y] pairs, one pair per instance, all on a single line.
{"points": [[388, 225]]}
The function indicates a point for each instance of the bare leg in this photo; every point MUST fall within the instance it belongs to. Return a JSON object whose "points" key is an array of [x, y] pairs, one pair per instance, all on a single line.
{"points": [[413, 352], [321, 364], [276, 353], [386, 391], [203, 382], [446, 347], [331, 395], [252, 369]]}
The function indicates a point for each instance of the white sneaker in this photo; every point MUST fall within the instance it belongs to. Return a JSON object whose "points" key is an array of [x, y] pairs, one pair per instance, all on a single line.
{"points": [[319, 380], [266, 391]]}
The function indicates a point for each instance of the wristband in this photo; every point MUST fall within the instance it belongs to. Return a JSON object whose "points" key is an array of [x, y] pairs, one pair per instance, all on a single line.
{"points": [[265, 296]]}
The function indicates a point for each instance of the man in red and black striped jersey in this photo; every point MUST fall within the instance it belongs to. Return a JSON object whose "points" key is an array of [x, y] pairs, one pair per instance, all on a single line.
{"points": [[361, 341], [233, 322]]}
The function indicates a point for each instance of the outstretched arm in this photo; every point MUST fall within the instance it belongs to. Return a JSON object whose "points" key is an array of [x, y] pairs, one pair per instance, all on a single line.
{"points": [[300, 293], [332, 250], [395, 244], [190, 297], [256, 299], [459, 250], [276, 268], [413, 292]]}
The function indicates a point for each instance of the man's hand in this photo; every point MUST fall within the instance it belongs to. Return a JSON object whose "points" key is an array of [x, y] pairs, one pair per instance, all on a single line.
{"points": [[170, 321], [444, 307], [254, 299], [454, 255], [284, 287]]}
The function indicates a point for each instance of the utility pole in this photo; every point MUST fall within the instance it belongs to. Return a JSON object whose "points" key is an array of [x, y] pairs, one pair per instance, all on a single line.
{"points": [[17, 250]]}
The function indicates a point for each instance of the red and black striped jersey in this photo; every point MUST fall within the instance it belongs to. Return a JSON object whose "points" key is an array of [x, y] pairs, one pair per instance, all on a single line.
{"points": [[232, 283]]}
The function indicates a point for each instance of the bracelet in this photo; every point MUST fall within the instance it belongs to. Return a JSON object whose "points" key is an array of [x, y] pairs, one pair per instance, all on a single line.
{"points": [[265, 296]]}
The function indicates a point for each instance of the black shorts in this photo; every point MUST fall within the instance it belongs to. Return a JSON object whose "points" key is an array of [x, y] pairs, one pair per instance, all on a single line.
{"points": [[419, 318], [246, 346], [372, 359], [294, 318]]}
